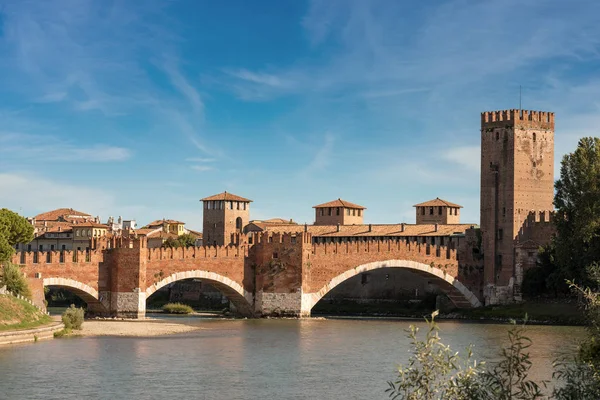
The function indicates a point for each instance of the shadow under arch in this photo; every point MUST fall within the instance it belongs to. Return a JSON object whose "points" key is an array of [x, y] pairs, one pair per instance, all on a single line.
{"points": [[458, 293], [231, 289], [85, 292]]}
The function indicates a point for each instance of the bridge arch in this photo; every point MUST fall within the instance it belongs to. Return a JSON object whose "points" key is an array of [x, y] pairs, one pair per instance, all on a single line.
{"points": [[231, 289], [456, 291], [85, 292]]}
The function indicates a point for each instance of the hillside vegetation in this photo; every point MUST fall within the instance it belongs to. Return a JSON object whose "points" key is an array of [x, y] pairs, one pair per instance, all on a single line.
{"points": [[18, 314]]}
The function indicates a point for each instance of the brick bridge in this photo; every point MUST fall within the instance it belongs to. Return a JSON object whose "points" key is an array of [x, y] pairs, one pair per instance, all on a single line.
{"points": [[279, 274]]}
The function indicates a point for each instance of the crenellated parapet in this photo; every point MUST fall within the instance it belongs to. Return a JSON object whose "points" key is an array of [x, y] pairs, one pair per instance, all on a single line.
{"points": [[58, 257], [517, 118], [197, 252], [538, 227]]}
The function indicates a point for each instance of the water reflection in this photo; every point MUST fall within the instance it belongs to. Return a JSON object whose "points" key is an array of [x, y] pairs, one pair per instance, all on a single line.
{"points": [[239, 359]]}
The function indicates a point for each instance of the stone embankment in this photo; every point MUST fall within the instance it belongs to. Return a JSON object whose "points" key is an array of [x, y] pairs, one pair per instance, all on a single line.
{"points": [[30, 335]]}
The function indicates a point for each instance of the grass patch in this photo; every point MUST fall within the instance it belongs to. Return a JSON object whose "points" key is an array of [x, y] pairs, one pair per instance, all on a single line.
{"points": [[177, 308], [567, 312], [62, 333], [18, 314]]}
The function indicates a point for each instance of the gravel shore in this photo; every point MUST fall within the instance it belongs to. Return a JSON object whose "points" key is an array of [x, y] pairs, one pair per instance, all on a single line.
{"points": [[132, 328]]}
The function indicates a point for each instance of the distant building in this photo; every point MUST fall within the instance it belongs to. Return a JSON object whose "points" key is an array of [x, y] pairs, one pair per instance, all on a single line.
{"points": [[225, 216], [339, 212], [437, 211]]}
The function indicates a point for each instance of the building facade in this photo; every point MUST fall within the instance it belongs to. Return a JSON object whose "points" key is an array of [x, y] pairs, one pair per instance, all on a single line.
{"points": [[225, 216]]}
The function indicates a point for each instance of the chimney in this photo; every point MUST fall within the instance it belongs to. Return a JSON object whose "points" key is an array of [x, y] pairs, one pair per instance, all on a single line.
{"points": [[370, 227], [338, 227], [402, 227], [59, 229], [305, 227], [436, 227]]}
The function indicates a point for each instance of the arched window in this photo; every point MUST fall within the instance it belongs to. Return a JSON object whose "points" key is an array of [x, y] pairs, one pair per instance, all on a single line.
{"points": [[238, 223], [534, 136]]}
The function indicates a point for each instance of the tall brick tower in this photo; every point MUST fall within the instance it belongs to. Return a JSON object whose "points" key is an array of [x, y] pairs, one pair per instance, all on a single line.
{"points": [[225, 215], [517, 176]]}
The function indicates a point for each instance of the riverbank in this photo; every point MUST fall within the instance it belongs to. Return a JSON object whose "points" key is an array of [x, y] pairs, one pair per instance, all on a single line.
{"points": [[17, 314], [537, 312]]}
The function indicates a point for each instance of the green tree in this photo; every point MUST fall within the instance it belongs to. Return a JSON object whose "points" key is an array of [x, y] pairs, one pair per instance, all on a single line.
{"points": [[14, 280], [13, 229], [577, 203], [185, 240]]}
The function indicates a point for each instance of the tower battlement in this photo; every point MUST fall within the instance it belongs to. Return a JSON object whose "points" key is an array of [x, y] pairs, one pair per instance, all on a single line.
{"points": [[514, 117]]}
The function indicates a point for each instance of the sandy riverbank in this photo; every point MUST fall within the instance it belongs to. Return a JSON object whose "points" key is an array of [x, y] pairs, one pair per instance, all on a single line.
{"points": [[135, 328]]}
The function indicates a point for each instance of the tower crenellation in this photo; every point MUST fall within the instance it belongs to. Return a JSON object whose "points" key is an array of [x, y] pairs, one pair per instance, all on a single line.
{"points": [[516, 117]]}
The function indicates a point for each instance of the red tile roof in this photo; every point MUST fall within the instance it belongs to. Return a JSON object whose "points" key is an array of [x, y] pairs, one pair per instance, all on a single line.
{"points": [[227, 197], [90, 224], [340, 203], [375, 230], [436, 203], [160, 222], [54, 215]]}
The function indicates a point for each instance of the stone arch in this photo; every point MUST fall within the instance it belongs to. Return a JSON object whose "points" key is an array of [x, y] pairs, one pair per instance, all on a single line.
{"points": [[231, 289], [456, 291], [85, 292]]}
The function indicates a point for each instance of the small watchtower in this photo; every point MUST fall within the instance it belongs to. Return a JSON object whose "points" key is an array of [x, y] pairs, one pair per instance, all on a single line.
{"points": [[225, 214], [438, 211], [339, 212]]}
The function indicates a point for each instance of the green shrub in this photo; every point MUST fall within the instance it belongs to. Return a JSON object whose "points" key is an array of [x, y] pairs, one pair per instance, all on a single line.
{"points": [[73, 317], [62, 333], [14, 280], [177, 308]]}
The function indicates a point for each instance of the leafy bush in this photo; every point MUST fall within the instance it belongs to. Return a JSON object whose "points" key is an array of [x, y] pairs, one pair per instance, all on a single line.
{"points": [[14, 280], [177, 308], [73, 317]]}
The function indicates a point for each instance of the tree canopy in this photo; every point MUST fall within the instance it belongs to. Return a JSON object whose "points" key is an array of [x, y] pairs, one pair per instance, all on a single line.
{"points": [[577, 202], [13, 229], [185, 240]]}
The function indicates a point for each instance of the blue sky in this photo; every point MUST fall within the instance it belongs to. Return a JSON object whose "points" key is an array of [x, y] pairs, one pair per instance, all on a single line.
{"points": [[140, 108]]}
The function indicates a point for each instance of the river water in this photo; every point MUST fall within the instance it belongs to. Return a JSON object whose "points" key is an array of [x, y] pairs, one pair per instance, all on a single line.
{"points": [[248, 359]]}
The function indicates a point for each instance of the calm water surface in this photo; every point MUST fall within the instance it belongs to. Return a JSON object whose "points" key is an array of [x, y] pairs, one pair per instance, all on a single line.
{"points": [[243, 359]]}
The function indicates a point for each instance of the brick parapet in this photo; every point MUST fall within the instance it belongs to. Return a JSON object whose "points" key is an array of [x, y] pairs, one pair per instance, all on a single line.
{"points": [[517, 118]]}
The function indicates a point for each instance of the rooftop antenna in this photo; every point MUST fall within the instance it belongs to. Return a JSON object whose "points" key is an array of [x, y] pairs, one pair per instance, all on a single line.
{"points": [[520, 98]]}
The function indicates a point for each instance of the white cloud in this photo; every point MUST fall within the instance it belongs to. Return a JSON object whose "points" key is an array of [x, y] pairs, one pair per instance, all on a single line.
{"points": [[48, 148], [261, 78], [201, 168], [33, 194], [468, 157], [200, 160]]}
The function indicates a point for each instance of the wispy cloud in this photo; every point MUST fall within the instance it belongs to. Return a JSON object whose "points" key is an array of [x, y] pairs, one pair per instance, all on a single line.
{"points": [[48, 148], [467, 157], [200, 160], [202, 168]]}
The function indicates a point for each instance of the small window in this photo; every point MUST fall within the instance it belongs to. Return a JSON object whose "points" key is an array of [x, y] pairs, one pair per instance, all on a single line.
{"points": [[41, 247], [63, 247], [214, 225], [231, 205], [422, 210], [500, 234], [17, 246], [347, 211], [293, 239], [353, 212], [52, 247], [534, 164], [238, 204], [440, 210], [359, 212], [497, 135], [275, 255], [530, 254], [337, 211], [244, 206], [534, 137], [504, 211], [430, 210], [322, 212], [28, 247], [329, 211]]}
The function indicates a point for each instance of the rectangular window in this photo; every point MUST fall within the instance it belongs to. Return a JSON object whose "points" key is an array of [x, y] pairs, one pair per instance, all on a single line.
{"points": [[238, 204], [231, 205], [359, 212], [353, 213], [422, 210], [244, 206], [52, 247], [430, 210], [347, 211], [41, 247], [500, 234], [275, 255], [28, 247], [441, 240], [440, 210], [329, 211], [504, 211], [322, 212], [337, 211], [64, 247]]}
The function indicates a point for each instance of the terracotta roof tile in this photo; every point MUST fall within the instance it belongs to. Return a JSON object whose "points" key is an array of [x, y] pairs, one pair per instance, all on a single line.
{"points": [[160, 222], [436, 203], [376, 230], [227, 197], [340, 203], [54, 215], [90, 224]]}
